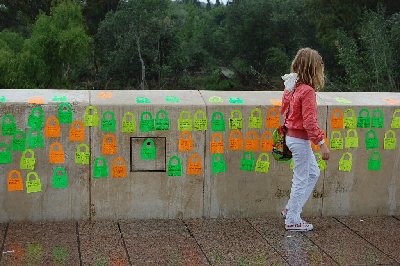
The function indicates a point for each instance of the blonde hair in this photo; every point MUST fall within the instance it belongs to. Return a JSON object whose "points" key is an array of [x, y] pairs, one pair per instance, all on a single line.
{"points": [[309, 66]]}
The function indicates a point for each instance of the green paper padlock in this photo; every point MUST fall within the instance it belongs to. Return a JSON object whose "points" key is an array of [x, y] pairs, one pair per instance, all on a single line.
{"points": [[345, 164], [28, 160], [60, 178], [215, 99], [321, 163], [3, 99], [350, 120], [371, 140], [200, 120], [395, 119], [36, 118], [351, 139], [236, 101], [59, 98], [129, 123], [162, 120], [33, 185], [364, 120], [378, 120], [91, 117], [255, 120], [100, 168], [144, 100], [262, 164], [5, 153], [82, 154], [185, 121], [146, 122], [8, 125], [218, 164], [291, 165], [65, 113], [148, 151], [247, 163], [236, 120], [218, 122], [375, 162], [390, 141], [336, 141], [172, 99], [35, 139], [174, 166], [108, 123], [18, 142]]}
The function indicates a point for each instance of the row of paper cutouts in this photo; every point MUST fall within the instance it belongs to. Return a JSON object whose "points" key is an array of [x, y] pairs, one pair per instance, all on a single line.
{"points": [[218, 165], [185, 122], [185, 143]]}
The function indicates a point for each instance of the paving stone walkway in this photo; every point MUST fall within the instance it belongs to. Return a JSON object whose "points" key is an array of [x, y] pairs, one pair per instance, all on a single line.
{"points": [[335, 241]]}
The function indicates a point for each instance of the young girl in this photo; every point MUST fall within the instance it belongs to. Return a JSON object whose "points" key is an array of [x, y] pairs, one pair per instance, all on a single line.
{"points": [[299, 107]]}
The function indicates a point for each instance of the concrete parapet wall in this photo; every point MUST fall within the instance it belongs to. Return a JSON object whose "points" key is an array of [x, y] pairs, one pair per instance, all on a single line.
{"points": [[147, 189]]}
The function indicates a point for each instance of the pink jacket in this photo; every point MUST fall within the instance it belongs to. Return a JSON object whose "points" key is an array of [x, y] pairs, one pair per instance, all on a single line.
{"points": [[302, 119]]}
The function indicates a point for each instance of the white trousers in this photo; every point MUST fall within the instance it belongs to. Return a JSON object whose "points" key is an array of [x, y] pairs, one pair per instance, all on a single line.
{"points": [[305, 176]]}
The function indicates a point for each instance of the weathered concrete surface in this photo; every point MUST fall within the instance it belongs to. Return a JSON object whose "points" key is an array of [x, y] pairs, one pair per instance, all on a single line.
{"points": [[343, 245], [154, 194], [41, 244], [295, 247], [381, 232], [238, 193], [232, 242], [147, 194], [161, 242], [101, 243], [362, 191], [50, 204]]}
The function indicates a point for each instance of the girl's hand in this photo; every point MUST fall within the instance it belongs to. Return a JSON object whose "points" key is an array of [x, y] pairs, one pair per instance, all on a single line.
{"points": [[325, 152]]}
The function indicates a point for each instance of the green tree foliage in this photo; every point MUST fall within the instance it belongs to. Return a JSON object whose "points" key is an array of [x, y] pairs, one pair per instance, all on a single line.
{"points": [[370, 64], [132, 42], [55, 55], [19, 14]]}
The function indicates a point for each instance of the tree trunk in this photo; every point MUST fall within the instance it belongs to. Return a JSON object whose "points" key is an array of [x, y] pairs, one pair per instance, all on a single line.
{"points": [[142, 62]]}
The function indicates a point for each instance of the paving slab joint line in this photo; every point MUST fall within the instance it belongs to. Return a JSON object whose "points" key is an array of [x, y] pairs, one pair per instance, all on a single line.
{"points": [[366, 240], [266, 240], [395, 218], [79, 243], [123, 242], [4, 241], [191, 234]]}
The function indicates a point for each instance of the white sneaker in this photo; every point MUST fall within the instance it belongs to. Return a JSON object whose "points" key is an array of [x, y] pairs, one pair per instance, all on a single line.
{"points": [[301, 227]]}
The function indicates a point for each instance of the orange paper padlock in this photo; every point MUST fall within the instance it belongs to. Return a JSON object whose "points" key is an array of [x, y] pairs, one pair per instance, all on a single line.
{"points": [[119, 168], [56, 154], [318, 148], [195, 166], [235, 140], [15, 182], [273, 120], [52, 129], [251, 142], [109, 146], [217, 143], [267, 141], [185, 141], [337, 119], [36, 100], [77, 131]]}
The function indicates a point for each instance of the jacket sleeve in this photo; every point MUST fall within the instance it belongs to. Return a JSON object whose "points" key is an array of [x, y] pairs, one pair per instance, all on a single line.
{"points": [[310, 119]]}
